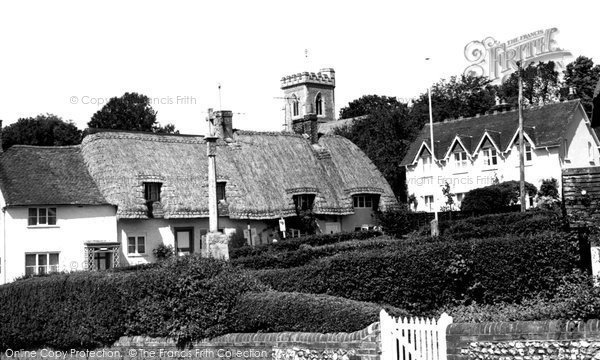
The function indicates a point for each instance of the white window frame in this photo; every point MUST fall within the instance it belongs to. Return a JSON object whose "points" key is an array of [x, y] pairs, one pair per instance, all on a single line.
{"points": [[460, 159], [46, 218], [426, 161], [428, 201], [48, 268], [490, 157], [528, 152], [136, 244]]}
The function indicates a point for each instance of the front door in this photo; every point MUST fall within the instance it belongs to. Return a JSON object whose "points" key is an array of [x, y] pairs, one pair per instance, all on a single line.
{"points": [[103, 260], [184, 241]]}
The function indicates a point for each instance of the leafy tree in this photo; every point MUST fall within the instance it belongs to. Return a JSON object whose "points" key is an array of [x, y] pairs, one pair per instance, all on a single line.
{"points": [[581, 76], [549, 188], [132, 111], [368, 104], [464, 96], [384, 135], [495, 198], [43, 130], [540, 85]]}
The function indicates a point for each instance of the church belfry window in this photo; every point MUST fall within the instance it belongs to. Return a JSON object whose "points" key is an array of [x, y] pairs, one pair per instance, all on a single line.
{"points": [[295, 110], [319, 104]]}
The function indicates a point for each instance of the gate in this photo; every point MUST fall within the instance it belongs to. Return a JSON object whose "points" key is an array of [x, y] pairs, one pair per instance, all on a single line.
{"points": [[413, 338]]}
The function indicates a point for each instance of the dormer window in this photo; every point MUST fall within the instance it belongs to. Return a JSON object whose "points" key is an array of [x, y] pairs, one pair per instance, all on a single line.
{"points": [[152, 191], [490, 157], [304, 202], [366, 201], [221, 191], [460, 158], [319, 104]]}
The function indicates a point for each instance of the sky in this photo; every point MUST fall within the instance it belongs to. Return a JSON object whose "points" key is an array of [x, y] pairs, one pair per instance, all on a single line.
{"points": [[69, 57]]}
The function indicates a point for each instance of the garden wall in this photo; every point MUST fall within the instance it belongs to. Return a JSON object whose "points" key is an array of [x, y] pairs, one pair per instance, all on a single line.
{"points": [[359, 345], [524, 340]]}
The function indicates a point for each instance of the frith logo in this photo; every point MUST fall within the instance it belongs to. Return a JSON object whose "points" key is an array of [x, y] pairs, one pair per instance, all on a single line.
{"points": [[497, 61]]}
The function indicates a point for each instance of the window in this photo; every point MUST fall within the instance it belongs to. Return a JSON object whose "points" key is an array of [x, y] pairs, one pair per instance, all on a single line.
{"points": [[490, 157], [528, 152], [319, 104], [460, 159], [304, 201], [41, 263], [221, 191], [429, 202], [295, 111], [566, 144], [426, 163], [152, 191], [366, 201], [136, 244], [295, 233], [42, 216], [590, 152]]}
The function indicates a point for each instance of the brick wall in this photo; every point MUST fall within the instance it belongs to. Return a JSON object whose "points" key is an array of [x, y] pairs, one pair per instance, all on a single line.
{"points": [[524, 340], [359, 345]]}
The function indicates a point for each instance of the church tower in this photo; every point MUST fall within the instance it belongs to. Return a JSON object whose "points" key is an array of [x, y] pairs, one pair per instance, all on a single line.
{"points": [[307, 94]]}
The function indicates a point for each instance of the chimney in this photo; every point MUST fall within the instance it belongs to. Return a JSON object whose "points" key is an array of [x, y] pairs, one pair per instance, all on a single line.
{"points": [[224, 124], [309, 126]]}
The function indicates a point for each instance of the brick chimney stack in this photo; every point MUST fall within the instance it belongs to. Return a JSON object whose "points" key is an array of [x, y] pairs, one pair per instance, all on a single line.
{"points": [[224, 124]]}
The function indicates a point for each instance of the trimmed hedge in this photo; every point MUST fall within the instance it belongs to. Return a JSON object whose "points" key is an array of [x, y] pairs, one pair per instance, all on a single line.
{"points": [[576, 299], [187, 298], [296, 243], [79, 310], [305, 253], [280, 311], [423, 277], [528, 223]]}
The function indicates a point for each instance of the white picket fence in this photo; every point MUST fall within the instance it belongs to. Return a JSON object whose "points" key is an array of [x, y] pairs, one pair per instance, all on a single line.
{"points": [[413, 338]]}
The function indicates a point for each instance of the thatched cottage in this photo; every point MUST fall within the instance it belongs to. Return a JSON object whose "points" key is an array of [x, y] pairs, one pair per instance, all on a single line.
{"points": [[113, 199]]}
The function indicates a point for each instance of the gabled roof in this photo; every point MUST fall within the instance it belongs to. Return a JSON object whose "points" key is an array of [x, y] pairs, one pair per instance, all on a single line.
{"points": [[262, 171], [544, 125], [43, 175]]}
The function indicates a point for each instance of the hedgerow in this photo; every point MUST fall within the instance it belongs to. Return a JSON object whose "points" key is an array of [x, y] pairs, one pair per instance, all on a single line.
{"points": [[423, 277], [296, 243], [280, 311]]}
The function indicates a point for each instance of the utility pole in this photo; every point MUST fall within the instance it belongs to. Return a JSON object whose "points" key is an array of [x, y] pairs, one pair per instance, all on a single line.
{"points": [[521, 141], [435, 230]]}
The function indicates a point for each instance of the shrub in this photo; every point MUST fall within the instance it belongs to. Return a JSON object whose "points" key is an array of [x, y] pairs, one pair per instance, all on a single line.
{"points": [[423, 277], [397, 222], [279, 311], [494, 198], [163, 252]]}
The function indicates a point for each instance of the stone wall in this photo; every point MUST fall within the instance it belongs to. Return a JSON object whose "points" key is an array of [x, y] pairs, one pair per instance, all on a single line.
{"points": [[359, 345], [524, 340]]}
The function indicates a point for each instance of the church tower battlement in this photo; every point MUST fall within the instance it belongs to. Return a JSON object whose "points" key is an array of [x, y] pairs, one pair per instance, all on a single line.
{"points": [[309, 93]]}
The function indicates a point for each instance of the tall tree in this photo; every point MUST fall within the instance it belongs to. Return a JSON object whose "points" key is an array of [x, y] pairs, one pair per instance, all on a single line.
{"points": [[384, 135], [43, 130], [132, 111], [540, 85], [580, 80], [460, 96]]}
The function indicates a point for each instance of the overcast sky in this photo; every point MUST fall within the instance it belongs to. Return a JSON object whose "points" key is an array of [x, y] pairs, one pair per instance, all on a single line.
{"points": [[65, 57]]}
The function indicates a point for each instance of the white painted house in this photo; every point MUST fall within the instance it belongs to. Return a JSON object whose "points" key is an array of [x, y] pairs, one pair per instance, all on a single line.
{"points": [[53, 215], [471, 153]]}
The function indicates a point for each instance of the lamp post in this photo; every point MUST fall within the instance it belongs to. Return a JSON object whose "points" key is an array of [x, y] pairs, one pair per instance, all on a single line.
{"points": [[521, 142], [434, 223]]}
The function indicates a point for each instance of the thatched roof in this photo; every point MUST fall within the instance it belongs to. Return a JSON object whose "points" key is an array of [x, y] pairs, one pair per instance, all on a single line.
{"points": [[46, 175], [544, 125], [262, 171]]}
